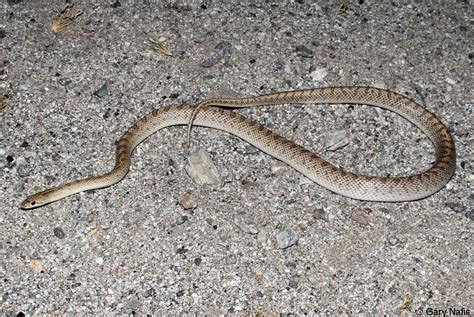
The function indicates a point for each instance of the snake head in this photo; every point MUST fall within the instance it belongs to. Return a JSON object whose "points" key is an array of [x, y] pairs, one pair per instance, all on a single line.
{"points": [[36, 200], [30, 202]]}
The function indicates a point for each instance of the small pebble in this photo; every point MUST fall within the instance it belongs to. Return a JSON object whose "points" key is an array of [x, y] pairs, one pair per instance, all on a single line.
{"points": [[36, 265], [367, 210], [455, 206], [58, 232], [201, 168], [64, 81], [101, 91], [450, 81], [224, 48], [187, 201], [245, 223], [470, 214], [384, 210], [360, 217], [303, 51], [278, 166], [196, 298], [24, 170], [116, 4], [150, 292], [286, 238], [293, 283], [181, 219], [319, 213], [319, 74], [181, 250], [29, 154], [20, 160], [336, 140], [24, 87], [230, 260], [99, 260], [393, 241], [262, 237]]}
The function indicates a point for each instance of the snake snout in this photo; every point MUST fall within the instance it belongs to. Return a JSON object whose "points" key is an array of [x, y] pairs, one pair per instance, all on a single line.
{"points": [[29, 203]]}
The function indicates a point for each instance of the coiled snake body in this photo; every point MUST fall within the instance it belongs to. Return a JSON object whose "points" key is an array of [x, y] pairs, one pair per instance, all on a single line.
{"points": [[372, 188]]}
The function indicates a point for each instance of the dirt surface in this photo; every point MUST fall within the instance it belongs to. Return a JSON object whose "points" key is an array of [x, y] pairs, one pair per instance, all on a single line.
{"points": [[263, 239]]}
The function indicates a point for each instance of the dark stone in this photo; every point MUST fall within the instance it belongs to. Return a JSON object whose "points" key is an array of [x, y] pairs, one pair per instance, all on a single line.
{"points": [[293, 284], [64, 81], [224, 48], [102, 91], [181, 250], [303, 51], [470, 214], [456, 207], [24, 170], [150, 293], [58, 232]]}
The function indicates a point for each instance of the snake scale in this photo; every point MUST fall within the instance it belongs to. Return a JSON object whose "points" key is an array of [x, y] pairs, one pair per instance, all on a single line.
{"points": [[370, 188]]}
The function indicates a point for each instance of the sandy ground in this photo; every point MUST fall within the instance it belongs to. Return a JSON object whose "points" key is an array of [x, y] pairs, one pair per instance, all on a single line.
{"points": [[133, 249]]}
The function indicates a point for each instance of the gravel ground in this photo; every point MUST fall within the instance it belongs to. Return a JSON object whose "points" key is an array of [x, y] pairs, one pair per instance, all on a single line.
{"points": [[261, 239]]}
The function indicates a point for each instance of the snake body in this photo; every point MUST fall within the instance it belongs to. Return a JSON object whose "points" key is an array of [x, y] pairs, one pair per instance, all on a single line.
{"points": [[371, 188]]}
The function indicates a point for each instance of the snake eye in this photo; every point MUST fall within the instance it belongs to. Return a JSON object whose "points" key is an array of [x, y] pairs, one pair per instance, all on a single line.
{"points": [[33, 203]]}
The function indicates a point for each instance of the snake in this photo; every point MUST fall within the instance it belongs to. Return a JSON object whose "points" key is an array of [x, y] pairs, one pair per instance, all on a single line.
{"points": [[213, 114]]}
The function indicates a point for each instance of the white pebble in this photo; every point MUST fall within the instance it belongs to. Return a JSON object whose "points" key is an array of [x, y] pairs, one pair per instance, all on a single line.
{"points": [[336, 140], [286, 238], [450, 81], [99, 260], [319, 74], [202, 169], [278, 167]]}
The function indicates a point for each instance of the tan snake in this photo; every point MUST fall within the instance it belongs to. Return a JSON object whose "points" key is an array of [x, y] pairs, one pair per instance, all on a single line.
{"points": [[372, 188]]}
